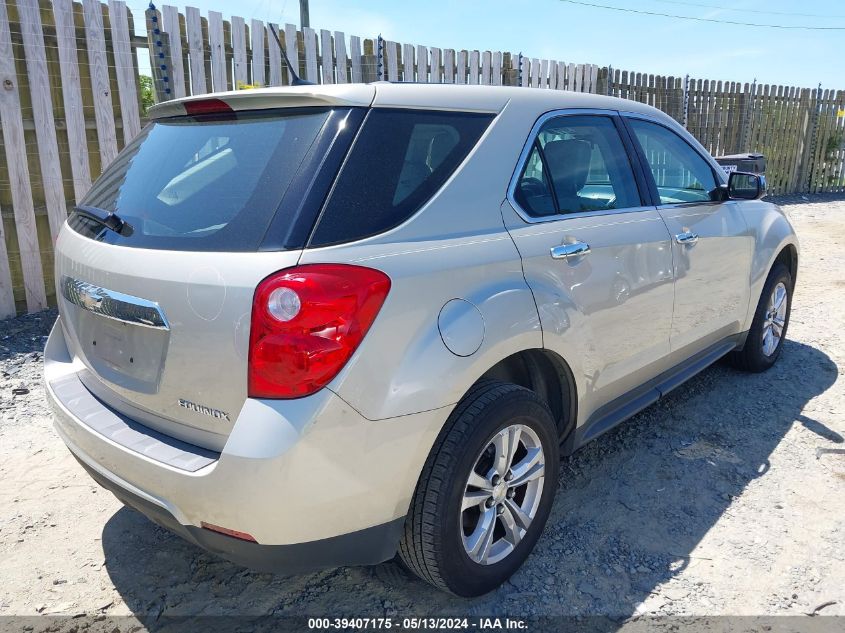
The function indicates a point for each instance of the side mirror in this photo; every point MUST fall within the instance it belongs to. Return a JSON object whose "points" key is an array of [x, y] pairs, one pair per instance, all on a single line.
{"points": [[743, 186]]}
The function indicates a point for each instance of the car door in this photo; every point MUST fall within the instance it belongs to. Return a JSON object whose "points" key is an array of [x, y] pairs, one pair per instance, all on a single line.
{"points": [[711, 245], [596, 258]]}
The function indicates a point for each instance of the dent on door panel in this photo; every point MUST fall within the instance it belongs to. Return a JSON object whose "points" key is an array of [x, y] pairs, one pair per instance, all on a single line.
{"points": [[607, 313]]}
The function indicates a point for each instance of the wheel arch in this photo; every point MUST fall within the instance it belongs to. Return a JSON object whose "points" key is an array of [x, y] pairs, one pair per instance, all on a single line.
{"points": [[788, 256], [545, 373]]}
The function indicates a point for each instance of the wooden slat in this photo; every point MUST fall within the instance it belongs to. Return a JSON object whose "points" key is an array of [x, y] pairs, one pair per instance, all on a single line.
{"points": [[408, 62], [98, 64], [436, 76], [72, 97], [830, 128], [594, 76], [552, 75], [125, 70], [42, 114], [461, 67], [341, 59], [355, 59], [310, 41], [496, 71], [486, 59], [240, 74], [801, 137], [7, 297], [217, 46], [291, 48], [274, 55], [838, 169], [570, 76], [170, 25], [449, 66], [777, 140], [193, 25], [256, 31], [796, 133], [535, 73], [422, 64], [544, 73], [15, 145], [825, 121], [392, 61], [473, 67], [326, 56]]}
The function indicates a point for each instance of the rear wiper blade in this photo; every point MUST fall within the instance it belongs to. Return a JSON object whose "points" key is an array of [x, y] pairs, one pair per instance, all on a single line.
{"points": [[108, 219]]}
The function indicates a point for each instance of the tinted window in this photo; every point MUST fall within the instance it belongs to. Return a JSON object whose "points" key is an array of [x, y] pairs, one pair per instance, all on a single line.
{"points": [[400, 159], [577, 163], [203, 183], [680, 173]]}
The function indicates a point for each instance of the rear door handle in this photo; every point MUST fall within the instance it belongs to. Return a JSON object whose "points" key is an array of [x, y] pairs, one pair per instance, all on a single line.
{"points": [[564, 251], [687, 237]]}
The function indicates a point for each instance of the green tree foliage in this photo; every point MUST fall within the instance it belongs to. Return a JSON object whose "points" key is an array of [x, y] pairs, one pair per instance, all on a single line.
{"points": [[147, 93]]}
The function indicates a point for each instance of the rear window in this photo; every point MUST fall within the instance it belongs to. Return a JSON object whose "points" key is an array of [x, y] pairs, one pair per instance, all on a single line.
{"points": [[400, 159], [204, 183]]}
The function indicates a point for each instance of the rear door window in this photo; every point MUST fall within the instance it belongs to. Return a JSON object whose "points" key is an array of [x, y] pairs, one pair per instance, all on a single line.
{"points": [[400, 159], [212, 182]]}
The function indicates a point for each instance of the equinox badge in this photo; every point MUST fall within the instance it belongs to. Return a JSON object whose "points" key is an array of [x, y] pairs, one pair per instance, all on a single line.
{"points": [[214, 413]]}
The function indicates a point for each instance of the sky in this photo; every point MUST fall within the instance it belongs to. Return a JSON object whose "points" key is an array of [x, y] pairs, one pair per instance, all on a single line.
{"points": [[573, 32]]}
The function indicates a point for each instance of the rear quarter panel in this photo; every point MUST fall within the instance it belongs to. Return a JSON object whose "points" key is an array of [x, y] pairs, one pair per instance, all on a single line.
{"points": [[455, 247]]}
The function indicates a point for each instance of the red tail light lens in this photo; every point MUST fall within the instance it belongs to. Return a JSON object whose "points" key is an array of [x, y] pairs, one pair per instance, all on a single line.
{"points": [[306, 323]]}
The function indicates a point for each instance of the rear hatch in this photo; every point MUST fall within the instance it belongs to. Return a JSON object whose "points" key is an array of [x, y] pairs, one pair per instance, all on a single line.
{"points": [[158, 265]]}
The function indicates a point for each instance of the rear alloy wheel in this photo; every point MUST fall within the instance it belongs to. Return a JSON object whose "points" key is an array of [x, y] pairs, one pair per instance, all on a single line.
{"points": [[765, 339], [485, 492], [502, 495]]}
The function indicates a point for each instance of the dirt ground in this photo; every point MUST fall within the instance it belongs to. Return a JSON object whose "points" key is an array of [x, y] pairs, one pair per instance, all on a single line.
{"points": [[726, 498]]}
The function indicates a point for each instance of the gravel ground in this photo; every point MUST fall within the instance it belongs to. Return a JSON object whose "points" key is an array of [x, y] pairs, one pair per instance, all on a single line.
{"points": [[726, 498]]}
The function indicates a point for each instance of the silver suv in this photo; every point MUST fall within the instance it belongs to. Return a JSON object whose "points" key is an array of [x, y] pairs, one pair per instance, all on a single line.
{"points": [[319, 326]]}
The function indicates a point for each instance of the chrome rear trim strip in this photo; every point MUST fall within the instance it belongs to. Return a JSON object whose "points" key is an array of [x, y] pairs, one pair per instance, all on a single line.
{"points": [[113, 305]]}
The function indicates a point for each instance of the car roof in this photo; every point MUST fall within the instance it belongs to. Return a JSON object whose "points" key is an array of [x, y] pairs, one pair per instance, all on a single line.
{"points": [[472, 98]]}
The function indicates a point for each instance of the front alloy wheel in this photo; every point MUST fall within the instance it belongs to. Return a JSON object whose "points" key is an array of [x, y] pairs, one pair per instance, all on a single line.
{"points": [[764, 342], [775, 321]]}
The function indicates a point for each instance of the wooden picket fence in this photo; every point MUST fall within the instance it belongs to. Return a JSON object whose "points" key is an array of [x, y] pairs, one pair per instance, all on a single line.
{"points": [[70, 99]]}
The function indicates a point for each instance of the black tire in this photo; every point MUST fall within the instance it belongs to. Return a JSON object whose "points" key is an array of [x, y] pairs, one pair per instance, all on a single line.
{"points": [[432, 545], [751, 357]]}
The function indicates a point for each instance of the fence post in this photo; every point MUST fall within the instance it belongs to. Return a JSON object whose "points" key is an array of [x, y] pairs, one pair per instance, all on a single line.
{"points": [[380, 58], [609, 80], [810, 165], [748, 128], [159, 54], [686, 100], [519, 70]]}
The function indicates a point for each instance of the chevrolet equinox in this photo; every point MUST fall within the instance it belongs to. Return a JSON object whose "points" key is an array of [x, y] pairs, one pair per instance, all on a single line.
{"points": [[325, 325]]}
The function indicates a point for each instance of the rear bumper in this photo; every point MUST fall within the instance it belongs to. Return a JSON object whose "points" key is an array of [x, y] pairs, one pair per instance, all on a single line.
{"points": [[364, 547], [315, 483]]}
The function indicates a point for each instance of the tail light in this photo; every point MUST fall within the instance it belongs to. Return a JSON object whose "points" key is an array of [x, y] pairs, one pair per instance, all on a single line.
{"points": [[206, 106], [306, 324]]}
